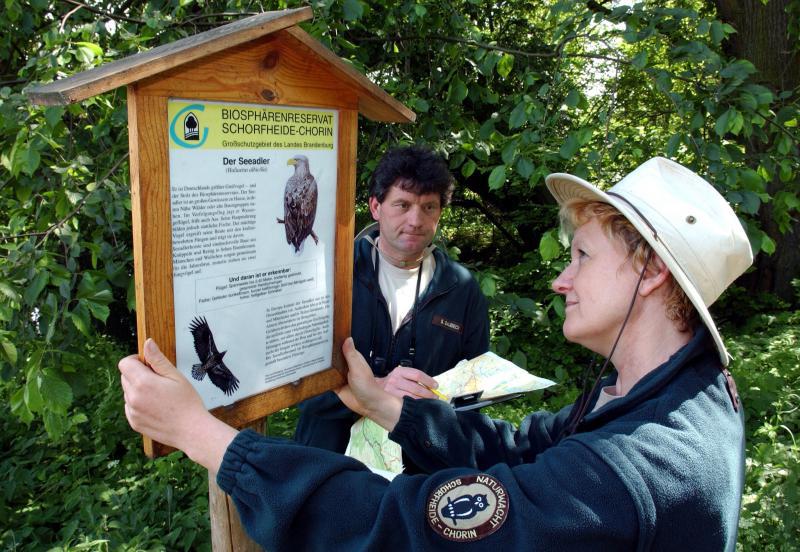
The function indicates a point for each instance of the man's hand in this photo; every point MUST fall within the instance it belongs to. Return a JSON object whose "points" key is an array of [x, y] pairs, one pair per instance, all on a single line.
{"points": [[364, 393], [405, 381], [162, 404]]}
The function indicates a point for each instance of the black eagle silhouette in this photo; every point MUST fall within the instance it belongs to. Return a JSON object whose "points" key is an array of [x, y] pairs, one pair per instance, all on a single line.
{"points": [[210, 358], [299, 203]]}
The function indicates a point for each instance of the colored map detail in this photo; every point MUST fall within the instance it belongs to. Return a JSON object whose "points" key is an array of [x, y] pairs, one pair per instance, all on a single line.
{"points": [[494, 375], [370, 444]]}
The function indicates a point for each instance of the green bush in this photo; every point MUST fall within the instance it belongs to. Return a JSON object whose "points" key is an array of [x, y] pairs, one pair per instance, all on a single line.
{"points": [[94, 489], [767, 372]]}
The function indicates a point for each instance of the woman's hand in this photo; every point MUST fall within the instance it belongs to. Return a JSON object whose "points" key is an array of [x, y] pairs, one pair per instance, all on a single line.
{"points": [[162, 404], [364, 393]]}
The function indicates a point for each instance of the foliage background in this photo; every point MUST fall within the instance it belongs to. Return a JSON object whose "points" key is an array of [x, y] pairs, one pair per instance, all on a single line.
{"points": [[508, 92]]}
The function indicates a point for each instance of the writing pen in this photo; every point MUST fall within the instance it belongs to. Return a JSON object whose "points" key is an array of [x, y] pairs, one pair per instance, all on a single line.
{"points": [[435, 392]]}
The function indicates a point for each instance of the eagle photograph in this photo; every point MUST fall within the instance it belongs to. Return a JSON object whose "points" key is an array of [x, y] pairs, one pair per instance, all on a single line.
{"points": [[299, 204], [210, 358]]}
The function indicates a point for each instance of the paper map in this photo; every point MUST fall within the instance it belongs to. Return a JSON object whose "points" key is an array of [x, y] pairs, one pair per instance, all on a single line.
{"points": [[494, 375]]}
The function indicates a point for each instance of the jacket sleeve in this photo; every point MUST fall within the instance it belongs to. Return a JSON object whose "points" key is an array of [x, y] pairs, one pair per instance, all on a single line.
{"points": [[291, 497], [435, 437]]}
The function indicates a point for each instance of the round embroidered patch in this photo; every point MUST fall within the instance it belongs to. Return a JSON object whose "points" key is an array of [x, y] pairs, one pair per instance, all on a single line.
{"points": [[468, 508]]}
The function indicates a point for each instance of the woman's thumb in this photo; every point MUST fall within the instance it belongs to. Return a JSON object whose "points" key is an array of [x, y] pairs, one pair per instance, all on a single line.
{"points": [[156, 359]]}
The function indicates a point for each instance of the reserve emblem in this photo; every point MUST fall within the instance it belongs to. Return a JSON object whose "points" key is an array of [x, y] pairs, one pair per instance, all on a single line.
{"points": [[468, 508]]}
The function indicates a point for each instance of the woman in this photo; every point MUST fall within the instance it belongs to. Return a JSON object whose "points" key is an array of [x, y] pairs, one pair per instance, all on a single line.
{"points": [[651, 457]]}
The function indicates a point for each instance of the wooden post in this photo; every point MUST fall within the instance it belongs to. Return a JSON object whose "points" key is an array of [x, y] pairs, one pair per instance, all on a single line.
{"points": [[227, 533]]}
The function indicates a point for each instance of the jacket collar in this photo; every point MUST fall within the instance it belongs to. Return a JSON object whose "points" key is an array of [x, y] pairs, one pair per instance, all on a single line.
{"points": [[652, 383], [444, 277]]}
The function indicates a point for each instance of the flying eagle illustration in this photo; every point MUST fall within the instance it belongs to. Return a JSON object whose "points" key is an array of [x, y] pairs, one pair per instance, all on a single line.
{"points": [[210, 359], [299, 203]]}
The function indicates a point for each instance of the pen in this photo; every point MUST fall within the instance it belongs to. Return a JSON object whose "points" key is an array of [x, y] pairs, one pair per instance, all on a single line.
{"points": [[435, 392]]}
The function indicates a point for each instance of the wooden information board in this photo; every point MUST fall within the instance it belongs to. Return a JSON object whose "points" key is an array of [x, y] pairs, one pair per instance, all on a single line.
{"points": [[223, 127]]}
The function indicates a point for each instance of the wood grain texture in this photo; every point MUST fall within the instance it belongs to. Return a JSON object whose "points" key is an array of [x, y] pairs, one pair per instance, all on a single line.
{"points": [[274, 70], [152, 230], [227, 532]]}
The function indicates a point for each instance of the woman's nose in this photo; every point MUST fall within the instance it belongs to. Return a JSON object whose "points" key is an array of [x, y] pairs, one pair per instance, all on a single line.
{"points": [[563, 282]]}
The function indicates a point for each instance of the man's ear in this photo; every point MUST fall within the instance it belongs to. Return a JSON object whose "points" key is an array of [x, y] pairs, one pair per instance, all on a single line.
{"points": [[655, 276], [374, 207]]}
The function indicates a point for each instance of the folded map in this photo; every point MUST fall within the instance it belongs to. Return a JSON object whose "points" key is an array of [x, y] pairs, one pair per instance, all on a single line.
{"points": [[494, 377]]}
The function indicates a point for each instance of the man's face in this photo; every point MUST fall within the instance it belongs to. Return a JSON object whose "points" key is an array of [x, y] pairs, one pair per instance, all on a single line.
{"points": [[407, 222]]}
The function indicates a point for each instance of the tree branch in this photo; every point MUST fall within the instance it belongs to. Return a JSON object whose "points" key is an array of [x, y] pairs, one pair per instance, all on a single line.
{"points": [[45, 233], [104, 13], [471, 203], [557, 51]]}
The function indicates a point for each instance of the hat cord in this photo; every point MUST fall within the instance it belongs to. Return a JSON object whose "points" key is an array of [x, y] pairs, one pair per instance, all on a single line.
{"points": [[578, 413]]}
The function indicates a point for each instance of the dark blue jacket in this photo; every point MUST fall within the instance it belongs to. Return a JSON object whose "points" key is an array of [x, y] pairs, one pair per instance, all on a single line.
{"points": [[659, 469], [452, 324]]}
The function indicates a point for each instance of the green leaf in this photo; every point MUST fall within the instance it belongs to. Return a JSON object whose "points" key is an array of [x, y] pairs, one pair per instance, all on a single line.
{"points": [[421, 105], [557, 304], [569, 147], [723, 122], [549, 248], [519, 115], [93, 48], [767, 244], [10, 350], [525, 167], [717, 32], [488, 286], [18, 406], [9, 292], [497, 177], [673, 143], [35, 287], [56, 392], [33, 398], [505, 65], [457, 91], [353, 10], [640, 60], [573, 98], [468, 168], [80, 317], [520, 359], [98, 310], [54, 423]]}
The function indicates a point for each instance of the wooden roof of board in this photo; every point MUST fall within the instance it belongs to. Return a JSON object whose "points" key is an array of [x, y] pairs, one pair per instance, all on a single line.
{"points": [[373, 101]]}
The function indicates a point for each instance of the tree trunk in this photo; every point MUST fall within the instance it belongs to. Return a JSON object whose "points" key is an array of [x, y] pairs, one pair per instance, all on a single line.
{"points": [[763, 38]]}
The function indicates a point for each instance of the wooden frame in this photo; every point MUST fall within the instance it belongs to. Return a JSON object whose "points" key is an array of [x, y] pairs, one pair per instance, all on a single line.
{"points": [[264, 59]]}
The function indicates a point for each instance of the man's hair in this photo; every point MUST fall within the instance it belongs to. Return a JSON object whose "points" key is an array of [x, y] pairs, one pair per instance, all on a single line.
{"points": [[577, 212], [415, 169]]}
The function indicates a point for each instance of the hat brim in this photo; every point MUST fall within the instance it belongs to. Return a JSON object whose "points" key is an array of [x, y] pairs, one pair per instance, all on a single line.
{"points": [[566, 187]]}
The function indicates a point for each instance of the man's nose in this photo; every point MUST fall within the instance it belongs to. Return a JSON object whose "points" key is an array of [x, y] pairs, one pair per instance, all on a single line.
{"points": [[415, 216]]}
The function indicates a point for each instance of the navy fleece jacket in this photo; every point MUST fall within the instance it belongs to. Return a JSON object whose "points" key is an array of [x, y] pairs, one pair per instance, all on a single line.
{"points": [[659, 469]]}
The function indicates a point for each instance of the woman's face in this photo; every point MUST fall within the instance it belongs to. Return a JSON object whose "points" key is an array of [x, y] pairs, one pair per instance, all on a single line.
{"points": [[597, 286]]}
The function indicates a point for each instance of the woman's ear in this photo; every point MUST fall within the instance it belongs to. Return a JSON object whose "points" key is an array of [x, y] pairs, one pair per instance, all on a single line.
{"points": [[655, 276]]}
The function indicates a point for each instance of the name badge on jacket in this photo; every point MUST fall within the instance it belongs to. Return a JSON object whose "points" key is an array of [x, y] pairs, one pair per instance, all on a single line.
{"points": [[439, 320]]}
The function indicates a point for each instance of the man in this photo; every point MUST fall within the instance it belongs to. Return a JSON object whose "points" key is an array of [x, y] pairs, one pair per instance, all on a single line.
{"points": [[416, 313]]}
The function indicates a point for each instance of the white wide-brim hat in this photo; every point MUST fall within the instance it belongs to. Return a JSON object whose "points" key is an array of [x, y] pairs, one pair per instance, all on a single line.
{"points": [[685, 220]]}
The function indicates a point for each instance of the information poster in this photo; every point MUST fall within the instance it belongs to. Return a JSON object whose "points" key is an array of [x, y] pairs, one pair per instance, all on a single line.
{"points": [[253, 198]]}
